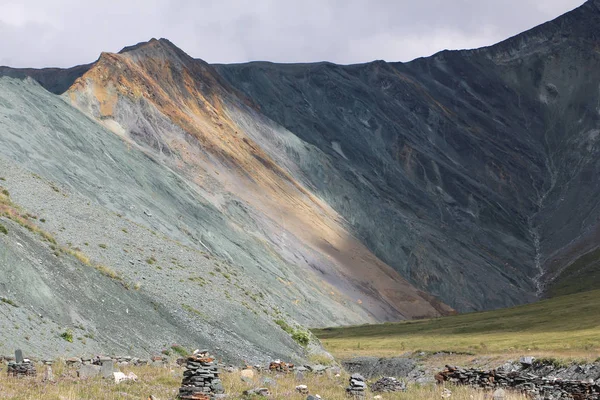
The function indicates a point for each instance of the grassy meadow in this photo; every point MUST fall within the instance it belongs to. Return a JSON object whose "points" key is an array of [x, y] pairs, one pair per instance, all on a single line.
{"points": [[566, 327]]}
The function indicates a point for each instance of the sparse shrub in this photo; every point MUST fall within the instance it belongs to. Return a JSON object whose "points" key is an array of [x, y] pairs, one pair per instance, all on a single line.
{"points": [[284, 325], [67, 335], [108, 272], [48, 237], [82, 257], [180, 350], [8, 301], [192, 310], [551, 361], [301, 337], [5, 192], [102, 246], [3, 229]]}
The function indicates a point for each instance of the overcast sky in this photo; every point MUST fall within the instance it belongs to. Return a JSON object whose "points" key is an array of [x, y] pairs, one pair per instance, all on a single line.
{"points": [[39, 33]]}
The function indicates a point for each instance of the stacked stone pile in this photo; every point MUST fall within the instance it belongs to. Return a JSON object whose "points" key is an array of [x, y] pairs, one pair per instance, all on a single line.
{"points": [[357, 387], [535, 386], [388, 384], [201, 378], [281, 366], [23, 368]]}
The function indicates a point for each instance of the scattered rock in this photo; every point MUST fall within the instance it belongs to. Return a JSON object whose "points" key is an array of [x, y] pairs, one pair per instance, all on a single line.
{"points": [[280, 366], [389, 384], [446, 393], [257, 392], [317, 369], [73, 361], [121, 377], [526, 361], [302, 389], [499, 394]]}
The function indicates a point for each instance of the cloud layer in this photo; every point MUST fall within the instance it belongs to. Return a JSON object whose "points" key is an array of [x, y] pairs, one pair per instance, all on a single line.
{"points": [[39, 33]]}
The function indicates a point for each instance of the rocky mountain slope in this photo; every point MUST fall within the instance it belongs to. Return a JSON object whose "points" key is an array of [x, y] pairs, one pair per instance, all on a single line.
{"points": [[473, 169], [213, 203]]}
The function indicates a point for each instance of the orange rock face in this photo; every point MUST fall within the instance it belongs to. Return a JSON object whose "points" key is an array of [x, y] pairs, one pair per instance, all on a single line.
{"points": [[211, 146]]}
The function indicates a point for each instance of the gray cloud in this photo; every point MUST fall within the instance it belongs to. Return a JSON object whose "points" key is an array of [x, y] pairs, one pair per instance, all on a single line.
{"points": [[38, 33]]}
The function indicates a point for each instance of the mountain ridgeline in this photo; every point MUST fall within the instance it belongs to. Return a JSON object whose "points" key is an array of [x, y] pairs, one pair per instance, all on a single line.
{"points": [[237, 197]]}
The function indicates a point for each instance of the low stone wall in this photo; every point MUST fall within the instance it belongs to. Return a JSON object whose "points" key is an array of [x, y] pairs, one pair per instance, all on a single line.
{"points": [[526, 382]]}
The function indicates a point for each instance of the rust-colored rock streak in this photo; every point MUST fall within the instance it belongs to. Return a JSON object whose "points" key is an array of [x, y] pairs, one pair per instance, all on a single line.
{"points": [[192, 96]]}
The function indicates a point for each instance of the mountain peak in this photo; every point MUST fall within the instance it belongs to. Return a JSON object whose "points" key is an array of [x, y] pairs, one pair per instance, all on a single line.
{"points": [[152, 43], [155, 49]]}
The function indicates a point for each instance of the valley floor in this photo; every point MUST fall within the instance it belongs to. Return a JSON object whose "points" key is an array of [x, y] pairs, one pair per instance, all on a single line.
{"points": [[564, 327], [563, 331]]}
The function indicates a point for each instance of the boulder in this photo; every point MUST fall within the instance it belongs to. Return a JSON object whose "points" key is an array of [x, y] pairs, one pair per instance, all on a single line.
{"points": [[247, 373], [499, 394], [302, 389], [121, 377], [88, 371]]}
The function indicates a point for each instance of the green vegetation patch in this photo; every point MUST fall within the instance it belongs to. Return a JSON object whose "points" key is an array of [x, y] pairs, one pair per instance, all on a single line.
{"points": [[67, 335], [301, 337], [180, 350], [565, 323]]}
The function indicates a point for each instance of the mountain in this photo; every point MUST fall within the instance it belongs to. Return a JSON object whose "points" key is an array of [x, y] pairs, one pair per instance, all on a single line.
{"points": [[474, 167], [155, 198]]}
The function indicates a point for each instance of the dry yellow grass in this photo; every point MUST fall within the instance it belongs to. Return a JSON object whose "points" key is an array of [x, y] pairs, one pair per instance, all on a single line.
{"points": [[164, 382]]}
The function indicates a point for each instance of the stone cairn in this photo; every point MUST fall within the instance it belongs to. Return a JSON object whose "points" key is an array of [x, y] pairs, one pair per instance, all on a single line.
{"points": [[201, 378], [389, 384], [21, 366], [280, 366], [532, 385], [357, 387]]}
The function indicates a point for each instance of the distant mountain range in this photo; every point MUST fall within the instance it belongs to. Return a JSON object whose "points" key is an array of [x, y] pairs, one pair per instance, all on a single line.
{"points": [[154, 198]]}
